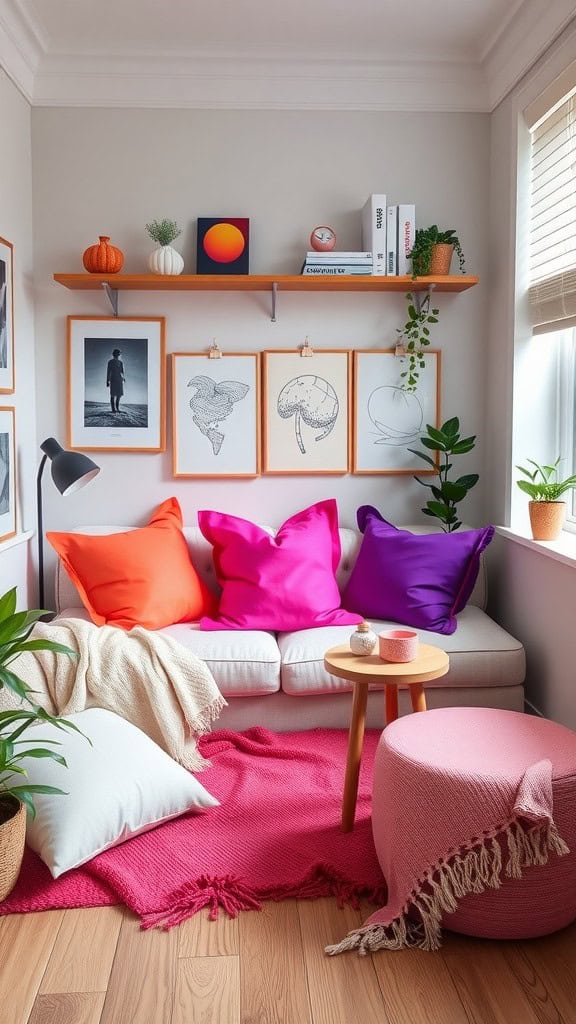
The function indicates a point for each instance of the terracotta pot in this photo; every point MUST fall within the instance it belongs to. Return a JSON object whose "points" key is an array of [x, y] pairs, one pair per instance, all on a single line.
{"points": [[12, 835], [546, 519], [103, 258], [441, 258]]}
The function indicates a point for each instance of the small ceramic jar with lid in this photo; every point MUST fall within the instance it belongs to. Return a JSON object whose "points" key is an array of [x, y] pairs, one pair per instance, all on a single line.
{"points": [[364, 640]]}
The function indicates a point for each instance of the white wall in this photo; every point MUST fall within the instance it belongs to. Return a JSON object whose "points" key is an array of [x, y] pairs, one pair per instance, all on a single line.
{"points": [[531, 595], [16, 227], [110, 171]]}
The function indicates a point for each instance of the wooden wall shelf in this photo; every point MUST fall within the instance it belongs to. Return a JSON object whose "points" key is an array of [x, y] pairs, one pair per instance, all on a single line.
{"points": [[114, 283]]}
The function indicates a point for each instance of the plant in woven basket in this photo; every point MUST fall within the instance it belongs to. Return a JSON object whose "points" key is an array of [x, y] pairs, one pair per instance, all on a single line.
{"points": [[15, 630], [415, 337], [446, 494], [422, 250]]}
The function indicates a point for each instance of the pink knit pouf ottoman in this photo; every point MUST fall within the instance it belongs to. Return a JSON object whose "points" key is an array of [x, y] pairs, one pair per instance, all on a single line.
{"points": [[474, 822]]}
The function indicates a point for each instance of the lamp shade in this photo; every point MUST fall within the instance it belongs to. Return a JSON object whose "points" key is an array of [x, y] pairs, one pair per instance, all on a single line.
{"points": [[70, 470]]}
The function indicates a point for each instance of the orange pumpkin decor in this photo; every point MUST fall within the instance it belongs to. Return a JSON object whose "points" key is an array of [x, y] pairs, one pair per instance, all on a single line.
{"points": [[103, 258]]}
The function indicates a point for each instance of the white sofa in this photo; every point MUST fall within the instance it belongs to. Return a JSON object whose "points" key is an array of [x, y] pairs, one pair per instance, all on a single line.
{"points": [[279, 681]]}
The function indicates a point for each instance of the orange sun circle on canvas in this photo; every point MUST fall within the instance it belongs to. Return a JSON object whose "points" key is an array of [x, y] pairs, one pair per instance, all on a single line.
{"points": [[224, 243]]}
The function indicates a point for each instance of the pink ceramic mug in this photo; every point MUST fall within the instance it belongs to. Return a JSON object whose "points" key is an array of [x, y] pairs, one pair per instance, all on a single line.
{"points": [[398, 644]]}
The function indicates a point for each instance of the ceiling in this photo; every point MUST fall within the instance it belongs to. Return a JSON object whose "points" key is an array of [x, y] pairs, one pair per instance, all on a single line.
{"points": [[335, 54]]}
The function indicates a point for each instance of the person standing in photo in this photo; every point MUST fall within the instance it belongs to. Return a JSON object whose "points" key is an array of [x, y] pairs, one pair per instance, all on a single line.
{"points": [[115, 379]]}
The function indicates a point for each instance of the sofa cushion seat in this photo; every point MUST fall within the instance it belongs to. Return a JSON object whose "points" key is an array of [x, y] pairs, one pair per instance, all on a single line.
{"points": [[481, 654], [244, 663]]}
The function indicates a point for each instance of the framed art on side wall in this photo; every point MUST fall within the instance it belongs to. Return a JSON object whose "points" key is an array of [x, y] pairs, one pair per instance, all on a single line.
{"points": [[388, 419], [216, 415], [6, 317], [7, 473], [306, 412], [116, 383]]}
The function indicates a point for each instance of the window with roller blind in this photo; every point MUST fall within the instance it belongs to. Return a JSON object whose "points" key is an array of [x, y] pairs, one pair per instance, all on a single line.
{"points": [[552, 259]]}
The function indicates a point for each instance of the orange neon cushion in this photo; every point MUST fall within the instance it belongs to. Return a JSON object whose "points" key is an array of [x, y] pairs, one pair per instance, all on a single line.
{"points": [[142, 577]]}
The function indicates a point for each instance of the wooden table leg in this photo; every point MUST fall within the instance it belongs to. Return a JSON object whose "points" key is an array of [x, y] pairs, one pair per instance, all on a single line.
{"points": [[418, 697], [353, 758], [391, 703]]}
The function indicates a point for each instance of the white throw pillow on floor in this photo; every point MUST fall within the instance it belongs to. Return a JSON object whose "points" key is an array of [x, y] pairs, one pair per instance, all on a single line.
{"points": [[121, 785]]}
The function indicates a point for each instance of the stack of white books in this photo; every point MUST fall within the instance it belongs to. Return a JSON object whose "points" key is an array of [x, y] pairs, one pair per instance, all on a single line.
{"points": [[337, 263]]}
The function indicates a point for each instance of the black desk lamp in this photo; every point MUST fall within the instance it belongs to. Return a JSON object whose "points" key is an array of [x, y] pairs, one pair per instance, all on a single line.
{"points": [[70, 471]]}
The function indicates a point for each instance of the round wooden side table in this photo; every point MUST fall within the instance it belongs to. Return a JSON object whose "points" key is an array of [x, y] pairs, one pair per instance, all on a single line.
{"points": [[361, 670]]}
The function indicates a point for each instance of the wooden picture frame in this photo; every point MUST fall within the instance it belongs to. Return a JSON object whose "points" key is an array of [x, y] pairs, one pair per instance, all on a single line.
{"points": [[6, 317], [8, 517], [96, 383], [216, 415], [306, 406], [388, 419]]}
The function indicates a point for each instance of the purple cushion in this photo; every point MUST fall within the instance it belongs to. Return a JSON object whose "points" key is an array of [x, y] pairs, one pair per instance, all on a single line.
{"points": [[420, 580]]}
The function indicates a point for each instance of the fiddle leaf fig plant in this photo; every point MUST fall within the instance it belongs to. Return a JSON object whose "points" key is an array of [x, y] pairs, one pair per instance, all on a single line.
{"points": [[542, 483], [446, 443], [415, 337], [15, 630]]}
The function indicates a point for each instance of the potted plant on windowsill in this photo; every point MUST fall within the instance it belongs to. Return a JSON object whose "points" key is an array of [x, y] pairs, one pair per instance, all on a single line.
{"points": [[546, 509], [432, 251], [15, 794]]}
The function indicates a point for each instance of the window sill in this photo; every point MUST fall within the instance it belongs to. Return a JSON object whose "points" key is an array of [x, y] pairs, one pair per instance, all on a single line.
{"points": [[561, 550]]}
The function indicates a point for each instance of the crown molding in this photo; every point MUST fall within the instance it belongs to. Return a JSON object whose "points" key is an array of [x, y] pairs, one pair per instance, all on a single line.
{"points": [[523, 39], [249, 82], [21, 47]]}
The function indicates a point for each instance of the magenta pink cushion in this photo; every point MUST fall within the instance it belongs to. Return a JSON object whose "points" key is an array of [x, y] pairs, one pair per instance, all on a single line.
{"points": [[280, 583]]}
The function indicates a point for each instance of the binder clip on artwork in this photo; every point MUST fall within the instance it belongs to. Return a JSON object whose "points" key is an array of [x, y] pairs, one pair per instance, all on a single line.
{"points": [[214, 352], [306, 349]]}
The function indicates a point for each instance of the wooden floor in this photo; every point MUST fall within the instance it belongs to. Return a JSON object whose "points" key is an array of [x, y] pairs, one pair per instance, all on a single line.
{"points": [[96, 966]]}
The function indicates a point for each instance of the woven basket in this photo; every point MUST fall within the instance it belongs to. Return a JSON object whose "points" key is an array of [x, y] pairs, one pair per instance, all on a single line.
{"points": [[441, 258], [546, 519], [12, 835]]}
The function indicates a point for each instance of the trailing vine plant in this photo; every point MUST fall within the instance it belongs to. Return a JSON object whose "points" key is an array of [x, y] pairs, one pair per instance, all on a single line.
{"points": [[415, 338]]}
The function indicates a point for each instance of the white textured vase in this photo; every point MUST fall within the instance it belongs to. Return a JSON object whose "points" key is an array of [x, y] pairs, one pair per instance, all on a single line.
{"points": [[364, 640], [165, 260]]}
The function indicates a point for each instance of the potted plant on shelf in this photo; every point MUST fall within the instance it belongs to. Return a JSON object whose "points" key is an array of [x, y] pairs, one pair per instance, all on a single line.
{"points": [[446, 494], [432, 251], [415, 337], [164, 259], [547, 512], [15, 793]]}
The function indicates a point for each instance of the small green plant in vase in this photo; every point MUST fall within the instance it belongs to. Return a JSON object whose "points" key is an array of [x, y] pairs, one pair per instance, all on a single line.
{"points": [[446, 443], [428, 259], [165, 259], [16, 794], [546, 508]]}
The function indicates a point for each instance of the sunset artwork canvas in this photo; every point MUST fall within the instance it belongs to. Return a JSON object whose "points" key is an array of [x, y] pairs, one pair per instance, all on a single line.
{"points": [[223, 245]]}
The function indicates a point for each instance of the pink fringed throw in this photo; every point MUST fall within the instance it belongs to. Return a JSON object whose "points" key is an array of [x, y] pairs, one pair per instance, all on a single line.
{"points": [[463, 800]]}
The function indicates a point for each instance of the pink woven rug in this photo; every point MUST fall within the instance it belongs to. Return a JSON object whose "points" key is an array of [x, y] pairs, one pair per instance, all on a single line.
{"points": [[276, 835]]}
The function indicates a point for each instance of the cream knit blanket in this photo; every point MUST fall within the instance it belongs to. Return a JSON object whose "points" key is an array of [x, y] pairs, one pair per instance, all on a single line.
{"points": [[151, 680]]}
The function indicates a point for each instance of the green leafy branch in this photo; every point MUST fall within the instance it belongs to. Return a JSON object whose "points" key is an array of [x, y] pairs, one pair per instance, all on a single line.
{"points": [[446, 442]]}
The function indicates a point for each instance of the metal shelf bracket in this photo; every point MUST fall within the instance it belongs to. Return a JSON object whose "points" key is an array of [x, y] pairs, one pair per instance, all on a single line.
{"points": [[274, 294], [418, 297], [112, 295]]}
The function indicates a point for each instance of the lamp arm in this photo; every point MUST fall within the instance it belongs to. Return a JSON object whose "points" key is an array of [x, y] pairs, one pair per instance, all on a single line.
{"points": [[40, 528]]}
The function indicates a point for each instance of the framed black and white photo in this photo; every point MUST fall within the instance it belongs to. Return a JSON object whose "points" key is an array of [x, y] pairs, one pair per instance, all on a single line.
{"points": [[306, 412], [216, 415], [116, 384], [6, 318], [7, 473], [388, 418]]}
